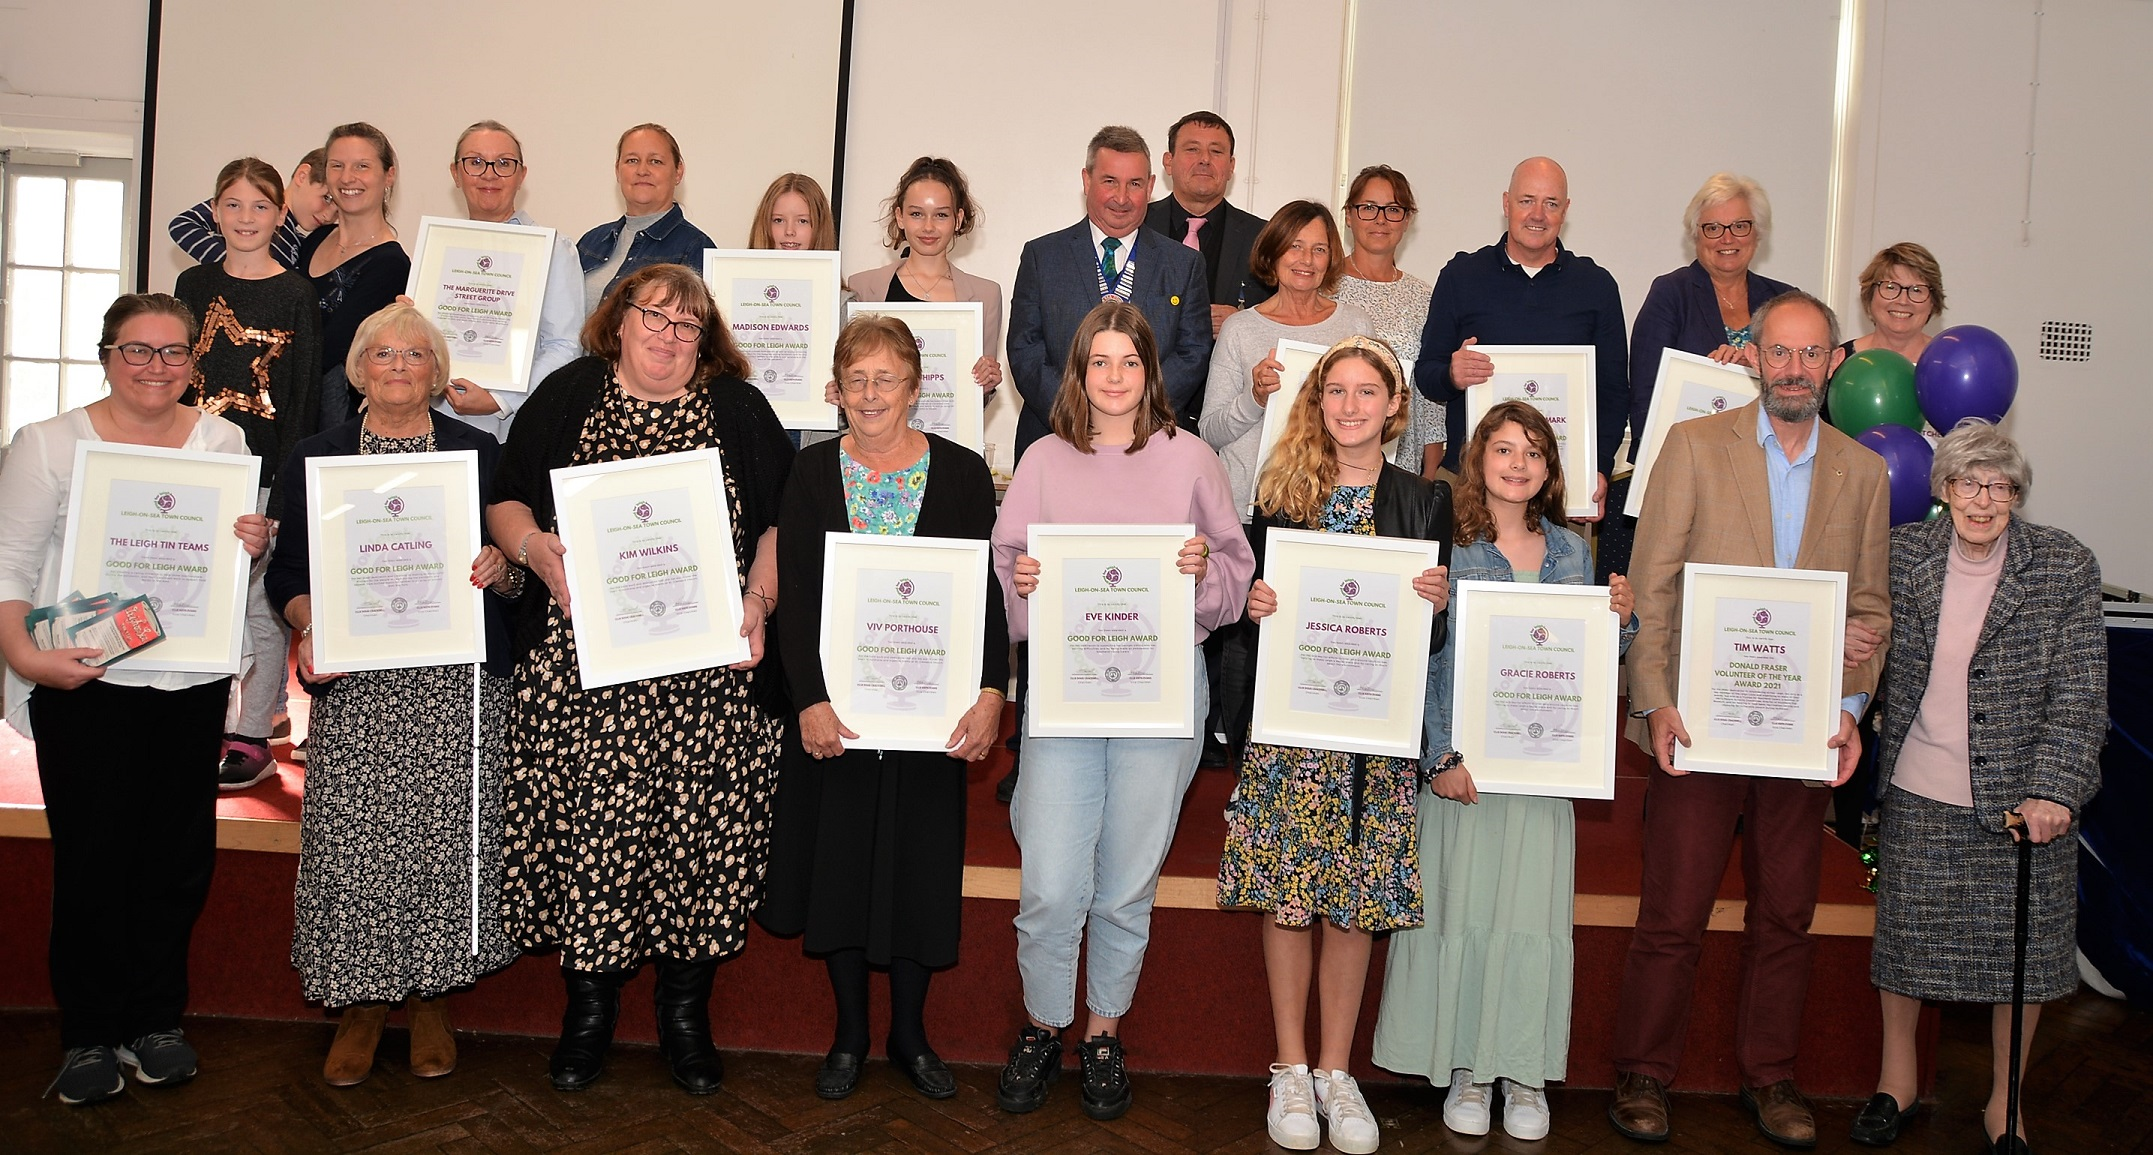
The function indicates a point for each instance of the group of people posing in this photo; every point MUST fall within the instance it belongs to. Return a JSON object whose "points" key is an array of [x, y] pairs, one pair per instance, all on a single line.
{"points": [[646, 823]]}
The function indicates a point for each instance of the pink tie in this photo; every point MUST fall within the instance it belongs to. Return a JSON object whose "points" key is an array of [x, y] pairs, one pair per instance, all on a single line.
{"points": [[1195, 223]]}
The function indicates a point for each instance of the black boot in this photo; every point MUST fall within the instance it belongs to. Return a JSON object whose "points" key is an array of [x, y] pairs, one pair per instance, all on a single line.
{"points": [[683, 1000], [586, 1027]]}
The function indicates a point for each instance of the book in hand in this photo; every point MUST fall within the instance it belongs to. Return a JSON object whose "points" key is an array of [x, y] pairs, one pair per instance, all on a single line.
{"points": [[108, 623]]}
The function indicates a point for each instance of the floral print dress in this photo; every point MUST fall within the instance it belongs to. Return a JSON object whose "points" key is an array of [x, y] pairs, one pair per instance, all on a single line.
{"points": [[1323, 834]]}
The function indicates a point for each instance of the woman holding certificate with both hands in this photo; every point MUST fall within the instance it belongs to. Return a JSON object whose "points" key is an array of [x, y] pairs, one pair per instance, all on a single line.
{"points": [[1093, 816], [1326, 836], [1481, 993], [867, 852], [638, 813], [126, 759], [384, 895]]}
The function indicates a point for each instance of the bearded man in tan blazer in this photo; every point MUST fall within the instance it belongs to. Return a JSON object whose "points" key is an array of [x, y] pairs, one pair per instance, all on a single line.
{"points": [[1769, 484]]}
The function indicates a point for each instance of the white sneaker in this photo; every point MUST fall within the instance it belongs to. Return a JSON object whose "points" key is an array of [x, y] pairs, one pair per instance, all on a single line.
{"points": [[1465, 1108], [1525, 1113], [1291, 1116], [1353, 1128]]}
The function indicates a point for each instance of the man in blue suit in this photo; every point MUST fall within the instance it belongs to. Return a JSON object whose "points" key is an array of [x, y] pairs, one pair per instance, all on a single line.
{"points": [[1064, 275]]}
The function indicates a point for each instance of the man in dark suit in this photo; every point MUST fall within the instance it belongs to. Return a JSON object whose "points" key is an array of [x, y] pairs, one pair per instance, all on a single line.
{"points": [[1199, 170], [1064, 275]]}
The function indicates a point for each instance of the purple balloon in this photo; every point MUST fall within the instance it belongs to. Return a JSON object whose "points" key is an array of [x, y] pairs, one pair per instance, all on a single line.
{"points": [[1907, 457], [1967, 371]]}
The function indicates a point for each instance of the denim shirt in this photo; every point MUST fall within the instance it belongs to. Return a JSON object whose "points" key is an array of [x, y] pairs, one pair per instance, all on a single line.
{"points": [[670, 240], [1568, 563]]}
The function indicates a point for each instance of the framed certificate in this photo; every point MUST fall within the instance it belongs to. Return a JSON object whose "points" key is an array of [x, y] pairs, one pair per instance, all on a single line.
{"points": [[653, 582], [782, 308], [1299, 359], [484, 285], [1558, 381], [1532, 695], [1760, 673], [1113, 633], [157, 523], [393, 538], [1343, 664], [902, 633], [1688, 386], [951, 335]]}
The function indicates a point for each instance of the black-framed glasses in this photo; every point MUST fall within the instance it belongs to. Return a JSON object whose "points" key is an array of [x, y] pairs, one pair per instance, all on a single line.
{"points": [[1369, 210], [137, 353], [383, 355], [658, 322], [1892, 290], [1779, 356], [505, 167], [1713, 230], [2001, 492]]}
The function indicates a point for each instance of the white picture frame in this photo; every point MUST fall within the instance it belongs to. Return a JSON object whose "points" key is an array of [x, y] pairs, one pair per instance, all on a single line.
{"points": [[1128, 677], [391, 539], [1532, 704], [951, 336], [903, 636], [483, 284], [1752, 638], [1560, 381], [782, 308], [1688, 386]]}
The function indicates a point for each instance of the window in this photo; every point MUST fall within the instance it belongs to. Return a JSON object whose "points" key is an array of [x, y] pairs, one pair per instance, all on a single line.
{"points": [[63, 250]]}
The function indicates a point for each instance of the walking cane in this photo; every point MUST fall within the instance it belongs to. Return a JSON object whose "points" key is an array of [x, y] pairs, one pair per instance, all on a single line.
{"points": [[2015, 824]]}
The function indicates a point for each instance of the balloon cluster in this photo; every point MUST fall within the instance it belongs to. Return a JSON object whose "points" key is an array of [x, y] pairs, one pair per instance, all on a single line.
{"points": [[1880, 399]]}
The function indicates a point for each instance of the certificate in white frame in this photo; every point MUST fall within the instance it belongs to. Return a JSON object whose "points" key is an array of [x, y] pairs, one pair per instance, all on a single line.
{"points": [[1761, 670], [158, 522], [653, 581], [950, 335], [1113, 633], [1299, 359], [1688, 386], [903, 636], [1343, 664], [1532, 693], [483, 284], [391, 542], [781, 306], [1559, 381]]}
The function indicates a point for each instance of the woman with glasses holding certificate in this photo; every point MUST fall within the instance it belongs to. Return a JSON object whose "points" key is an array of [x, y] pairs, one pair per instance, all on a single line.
{"points": [[1480, 995], [126, 758], [867, 854], [1324, 836], [638, 813]]}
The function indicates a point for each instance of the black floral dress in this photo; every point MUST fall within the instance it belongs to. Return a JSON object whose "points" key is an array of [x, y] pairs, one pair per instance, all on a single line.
{"points": [[638, 814]]}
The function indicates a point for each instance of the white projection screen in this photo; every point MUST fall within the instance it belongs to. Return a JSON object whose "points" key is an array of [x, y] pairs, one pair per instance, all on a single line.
{"points": [[750, 89]]}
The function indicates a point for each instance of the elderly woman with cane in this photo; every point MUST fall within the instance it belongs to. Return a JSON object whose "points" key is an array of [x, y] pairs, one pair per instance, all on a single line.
{"points": [[1992, 732]]}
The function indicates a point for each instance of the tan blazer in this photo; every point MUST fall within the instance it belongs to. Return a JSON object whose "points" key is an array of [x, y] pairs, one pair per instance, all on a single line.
{"points": [[1710, 501], [874, 285]]}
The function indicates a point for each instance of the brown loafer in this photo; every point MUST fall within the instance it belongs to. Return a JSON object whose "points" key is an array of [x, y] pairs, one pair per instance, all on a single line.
{"points": [[1782, 1114], [1639, 1111], [351, 1055], [433, 1045]]}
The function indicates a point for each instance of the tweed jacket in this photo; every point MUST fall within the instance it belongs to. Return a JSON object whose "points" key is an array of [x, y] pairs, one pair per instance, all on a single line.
{"points": [[2037, 687]]}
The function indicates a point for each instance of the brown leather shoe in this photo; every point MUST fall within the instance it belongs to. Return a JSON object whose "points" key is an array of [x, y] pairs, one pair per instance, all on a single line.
{"points": [[1639, 1111], [1782, 1114], [433, 1045], [351, 1056]]}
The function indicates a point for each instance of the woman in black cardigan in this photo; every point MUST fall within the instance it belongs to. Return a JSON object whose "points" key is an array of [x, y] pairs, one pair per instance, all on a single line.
{"points": [[867, 858]]}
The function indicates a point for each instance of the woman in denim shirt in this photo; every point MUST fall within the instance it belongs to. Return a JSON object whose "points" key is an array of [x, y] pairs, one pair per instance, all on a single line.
{"points": [[1481, 992], [654, 231]]}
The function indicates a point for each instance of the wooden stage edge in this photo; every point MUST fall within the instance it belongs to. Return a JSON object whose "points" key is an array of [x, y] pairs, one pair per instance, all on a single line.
{"points": [[281, 836]]}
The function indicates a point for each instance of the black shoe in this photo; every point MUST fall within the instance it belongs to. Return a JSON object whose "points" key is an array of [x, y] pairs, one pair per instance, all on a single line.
{"points": [[839, 1076], [1006, 789], [1215, 754], [1879, 1122], [586, 1027], [683, 1001], [1106, 1078], [1034, 1063], [930, 1077]]}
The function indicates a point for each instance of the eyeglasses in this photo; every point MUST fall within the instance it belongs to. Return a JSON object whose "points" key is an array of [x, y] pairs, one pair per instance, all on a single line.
{"points": [[1779, 356], [2001, 492], [1713, 230], [507, 166], [883, 383], [137, 353], [383, 355], [658, 322], [1369, 210], [1891, 290]]}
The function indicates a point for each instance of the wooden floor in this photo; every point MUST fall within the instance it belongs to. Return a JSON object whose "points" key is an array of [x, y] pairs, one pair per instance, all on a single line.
{"points": [[2091, 1091]]}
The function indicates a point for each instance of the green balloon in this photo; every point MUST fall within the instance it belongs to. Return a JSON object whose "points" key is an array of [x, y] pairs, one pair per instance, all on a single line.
{"points": [[1874, 387]]}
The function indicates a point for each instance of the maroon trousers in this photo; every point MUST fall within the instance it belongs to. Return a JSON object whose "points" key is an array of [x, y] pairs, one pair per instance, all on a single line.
{"points": [[1689, 829]]}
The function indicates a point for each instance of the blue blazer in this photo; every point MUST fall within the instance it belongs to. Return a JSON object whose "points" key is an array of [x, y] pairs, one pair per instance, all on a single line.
{"points": [[1058, 284], [1681, 312]]}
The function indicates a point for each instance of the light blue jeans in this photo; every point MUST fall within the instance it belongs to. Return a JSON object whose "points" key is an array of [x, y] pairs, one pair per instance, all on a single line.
{"points": [[1093, 818]]}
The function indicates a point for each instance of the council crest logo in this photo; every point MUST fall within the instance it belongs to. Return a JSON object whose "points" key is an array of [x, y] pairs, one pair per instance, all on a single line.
{"points": [[166, 502], [642, 511], [1350, 588], [905, 588], [1539, 635], [1762, 617], [1112, 576], [395, 506], [770, 293]]}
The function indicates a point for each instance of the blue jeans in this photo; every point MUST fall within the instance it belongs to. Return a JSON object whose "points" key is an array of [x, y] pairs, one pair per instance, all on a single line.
{"points": [[1093, 818]]}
